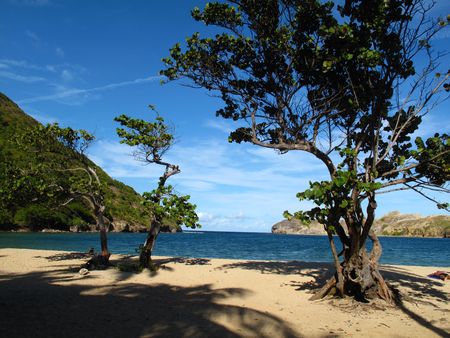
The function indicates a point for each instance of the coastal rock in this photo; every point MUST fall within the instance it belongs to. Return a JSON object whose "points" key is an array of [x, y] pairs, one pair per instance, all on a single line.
{"points": [[123, 226], [414, 225], [295, 226], [74, 228], [51, 230], [167, 228], [391, 224]]}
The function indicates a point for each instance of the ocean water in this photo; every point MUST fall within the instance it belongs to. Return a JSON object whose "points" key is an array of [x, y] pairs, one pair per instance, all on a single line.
{"points": [[235, 245]]}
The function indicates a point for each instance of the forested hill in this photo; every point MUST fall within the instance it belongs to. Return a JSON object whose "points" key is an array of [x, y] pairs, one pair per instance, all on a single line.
{"points": [[123, 204]]}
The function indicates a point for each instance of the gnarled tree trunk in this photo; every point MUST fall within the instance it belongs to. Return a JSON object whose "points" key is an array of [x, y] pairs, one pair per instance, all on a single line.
{"points": [[358, 274], [145, 257]]}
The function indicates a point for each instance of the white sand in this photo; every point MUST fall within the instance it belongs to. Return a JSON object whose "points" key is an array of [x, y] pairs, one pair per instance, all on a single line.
{"points": [[43, 295]]}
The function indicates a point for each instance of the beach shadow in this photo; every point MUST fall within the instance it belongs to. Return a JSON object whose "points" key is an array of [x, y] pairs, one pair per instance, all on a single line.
{"points": [[184, 260], [318, 272], [67, 256], [418, 289], [127, 265], [38, 305]]}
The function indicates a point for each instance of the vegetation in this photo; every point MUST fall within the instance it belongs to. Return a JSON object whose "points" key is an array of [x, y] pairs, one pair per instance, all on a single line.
{"points": [[24, 200], [72, 177], [342, 83], [151, 141]]}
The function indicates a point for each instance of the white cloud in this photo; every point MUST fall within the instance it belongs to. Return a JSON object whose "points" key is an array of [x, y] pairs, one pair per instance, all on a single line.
{"points": [[221, 125], [431, 124], [237, 221], [236, 187], [77, 92]]}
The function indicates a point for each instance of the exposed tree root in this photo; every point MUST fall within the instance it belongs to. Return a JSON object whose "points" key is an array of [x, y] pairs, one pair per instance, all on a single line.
{"points": [[380, 290], [326, 290], [97, 262]]}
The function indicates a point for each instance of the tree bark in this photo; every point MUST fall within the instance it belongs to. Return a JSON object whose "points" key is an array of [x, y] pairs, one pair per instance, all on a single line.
{"points": [[339, 277], [103, 237], [145, 257], [358, 275]]}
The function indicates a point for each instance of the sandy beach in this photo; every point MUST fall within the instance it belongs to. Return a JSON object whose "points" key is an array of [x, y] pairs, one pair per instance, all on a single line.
{"points": [[43, 295]]}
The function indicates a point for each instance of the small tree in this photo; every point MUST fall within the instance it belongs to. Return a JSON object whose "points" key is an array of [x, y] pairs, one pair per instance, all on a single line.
{"points": [[67, 174], [345, 89], [151, 141]]}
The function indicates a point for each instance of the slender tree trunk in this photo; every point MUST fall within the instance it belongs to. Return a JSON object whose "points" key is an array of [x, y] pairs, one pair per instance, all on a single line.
{"points": [[103, 237], [145, 257], [100, 261]]}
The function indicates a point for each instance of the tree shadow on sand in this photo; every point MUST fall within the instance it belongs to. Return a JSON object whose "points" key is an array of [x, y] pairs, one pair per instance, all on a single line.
{"points": [[67, 256], [318, 272], [43, 305], [417, 289]]}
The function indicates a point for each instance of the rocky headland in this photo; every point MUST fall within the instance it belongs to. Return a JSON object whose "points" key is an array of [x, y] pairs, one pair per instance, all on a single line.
{"points": [[392, 224]]}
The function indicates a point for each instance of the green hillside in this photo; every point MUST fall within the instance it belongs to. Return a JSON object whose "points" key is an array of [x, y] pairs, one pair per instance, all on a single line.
{"points": [[123, 204]]}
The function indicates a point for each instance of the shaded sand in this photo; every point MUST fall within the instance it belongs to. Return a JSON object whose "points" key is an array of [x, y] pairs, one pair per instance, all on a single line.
{"points": [[43, 295]]}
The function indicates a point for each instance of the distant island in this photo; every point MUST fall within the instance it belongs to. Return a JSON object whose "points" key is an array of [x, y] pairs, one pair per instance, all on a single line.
{"points": [[392, 224]]}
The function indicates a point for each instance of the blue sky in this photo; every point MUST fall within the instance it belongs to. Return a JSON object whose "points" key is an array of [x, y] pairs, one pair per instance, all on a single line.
{"points": [[81, 63]]}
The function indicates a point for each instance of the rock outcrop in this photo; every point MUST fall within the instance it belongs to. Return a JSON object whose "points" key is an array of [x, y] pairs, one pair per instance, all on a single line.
{"points": [[414, 225], [296, 227], [392, 224]]}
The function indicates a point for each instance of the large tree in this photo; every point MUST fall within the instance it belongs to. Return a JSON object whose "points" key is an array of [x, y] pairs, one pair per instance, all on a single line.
{"points": [[151, 141], [348, 84]]}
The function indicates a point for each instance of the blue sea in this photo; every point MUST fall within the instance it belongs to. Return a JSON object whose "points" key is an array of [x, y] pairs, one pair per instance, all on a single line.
{"points": [[235, 245]]}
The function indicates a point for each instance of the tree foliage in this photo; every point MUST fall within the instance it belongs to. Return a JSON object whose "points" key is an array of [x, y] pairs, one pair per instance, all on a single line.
{"points": [[340, 82], [72, 176]]}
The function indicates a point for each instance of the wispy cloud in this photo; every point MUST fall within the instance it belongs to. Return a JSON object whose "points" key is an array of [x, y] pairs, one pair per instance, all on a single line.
{"points": [[44, 119], [48, 68], [55, 76], [75, 92], [20, 78], [60, 80], [21, 64], [33, 36], [220, 125]]}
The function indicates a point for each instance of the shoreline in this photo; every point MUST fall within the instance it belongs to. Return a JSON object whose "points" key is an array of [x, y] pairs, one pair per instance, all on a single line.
{"points": [[282, 261], [200, 297], [51, 231]]}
